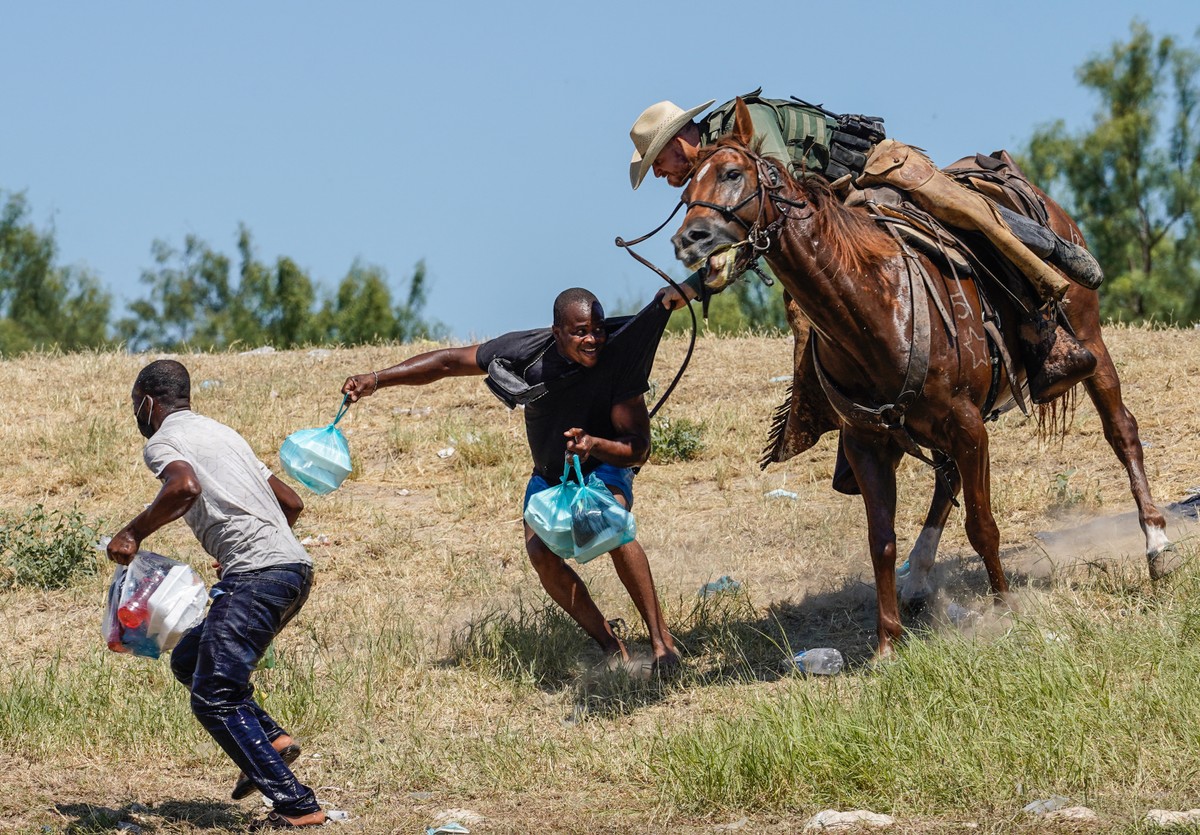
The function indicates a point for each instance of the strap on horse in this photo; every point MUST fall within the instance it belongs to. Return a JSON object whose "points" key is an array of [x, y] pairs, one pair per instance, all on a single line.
{"points": [[890, 416]]}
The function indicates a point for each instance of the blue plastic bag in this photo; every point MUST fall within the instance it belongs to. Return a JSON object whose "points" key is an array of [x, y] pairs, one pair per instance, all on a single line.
{"points": [[549, 514], [580, 519], [598, 522], [318, 458]]}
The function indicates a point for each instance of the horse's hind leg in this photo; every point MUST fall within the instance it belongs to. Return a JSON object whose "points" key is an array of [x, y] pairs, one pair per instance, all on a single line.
{"points": [[918, 587], [1121, 432]]}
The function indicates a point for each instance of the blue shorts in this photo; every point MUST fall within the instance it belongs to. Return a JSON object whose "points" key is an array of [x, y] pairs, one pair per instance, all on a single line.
{"points": [[619, 478]]}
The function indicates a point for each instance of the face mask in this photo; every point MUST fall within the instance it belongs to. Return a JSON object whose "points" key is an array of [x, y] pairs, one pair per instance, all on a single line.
{"points": [[146, 428]]}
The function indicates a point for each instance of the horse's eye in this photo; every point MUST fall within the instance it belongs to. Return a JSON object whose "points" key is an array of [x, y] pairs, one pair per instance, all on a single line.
{"points": [[733, 174]]}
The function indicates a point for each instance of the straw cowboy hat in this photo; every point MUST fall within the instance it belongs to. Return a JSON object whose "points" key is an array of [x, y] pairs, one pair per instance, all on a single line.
{"points": [[653, 130]]}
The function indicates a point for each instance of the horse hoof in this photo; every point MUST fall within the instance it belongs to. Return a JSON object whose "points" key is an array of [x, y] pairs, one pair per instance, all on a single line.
{"points": [[914, 606], [1163, 562]]}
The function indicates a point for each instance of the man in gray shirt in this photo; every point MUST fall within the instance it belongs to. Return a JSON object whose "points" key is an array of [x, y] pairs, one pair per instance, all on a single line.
{"points": [[242, 515]]}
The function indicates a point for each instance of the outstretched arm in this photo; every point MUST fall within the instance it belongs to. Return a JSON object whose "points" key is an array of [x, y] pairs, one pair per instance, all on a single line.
{"points": [[179, 492], [630, 448], [415, 371]]}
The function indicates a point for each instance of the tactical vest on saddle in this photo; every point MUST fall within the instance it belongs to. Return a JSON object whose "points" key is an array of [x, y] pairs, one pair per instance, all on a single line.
{"points": [[818, 141]]}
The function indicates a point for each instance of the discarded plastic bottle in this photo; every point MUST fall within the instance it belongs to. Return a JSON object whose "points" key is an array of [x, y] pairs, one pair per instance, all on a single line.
{"points": [[824, 661], [134, 611]]}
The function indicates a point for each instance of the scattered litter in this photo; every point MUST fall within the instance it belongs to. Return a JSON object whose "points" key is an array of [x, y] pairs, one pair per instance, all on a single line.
{"points": [[417, 412], [211, 384], [126, 826], [722, 585], [782, 494], [731, 826], [451, 828], [960, 615], [1049, 804], [832, 820], [274, 394], [445, 452], [1147, 444], [319, 539], [404, 491], [1072, 813], [319, 353], [457, 816], [782, 378], [1164, 817], [420, 795], [266, 349], [1053, 637], [822, 661], [578, 714], [337, 815], [314, 756]]}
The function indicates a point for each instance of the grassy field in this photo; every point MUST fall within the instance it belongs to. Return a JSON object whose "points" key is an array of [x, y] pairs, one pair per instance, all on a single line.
{"points": [[428, 679]]}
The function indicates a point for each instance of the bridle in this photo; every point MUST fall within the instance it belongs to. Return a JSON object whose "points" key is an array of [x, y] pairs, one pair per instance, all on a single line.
{"points": [[767, 190]]}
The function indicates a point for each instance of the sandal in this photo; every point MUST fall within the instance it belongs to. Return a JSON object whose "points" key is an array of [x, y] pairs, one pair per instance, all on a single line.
{"points": [[274, 820], [244, 787]]}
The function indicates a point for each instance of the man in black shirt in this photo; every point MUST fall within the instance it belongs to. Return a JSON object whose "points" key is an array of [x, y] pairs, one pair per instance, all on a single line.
{"points": [[583, 395]]}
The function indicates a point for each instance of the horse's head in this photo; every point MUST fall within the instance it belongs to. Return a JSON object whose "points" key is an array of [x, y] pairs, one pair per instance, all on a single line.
{"points": [[727, 204]]}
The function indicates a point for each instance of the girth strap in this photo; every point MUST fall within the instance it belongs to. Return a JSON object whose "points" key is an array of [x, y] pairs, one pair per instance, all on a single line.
{"points": [[890, 417]]}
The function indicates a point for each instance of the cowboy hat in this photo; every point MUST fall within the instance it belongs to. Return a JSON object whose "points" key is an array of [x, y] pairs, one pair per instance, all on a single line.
{"points": [[657, 125]]}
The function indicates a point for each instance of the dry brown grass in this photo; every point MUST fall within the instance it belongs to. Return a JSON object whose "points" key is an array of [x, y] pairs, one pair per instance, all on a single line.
{"points": [[422, 547]]}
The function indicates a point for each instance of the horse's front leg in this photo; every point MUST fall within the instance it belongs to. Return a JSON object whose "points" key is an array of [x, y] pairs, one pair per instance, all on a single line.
{"points": [[873, 459], [917, 587], [969, 440]]}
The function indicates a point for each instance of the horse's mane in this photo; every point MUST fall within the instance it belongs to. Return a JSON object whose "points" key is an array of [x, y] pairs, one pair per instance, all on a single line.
{"points": [[853, 241]]}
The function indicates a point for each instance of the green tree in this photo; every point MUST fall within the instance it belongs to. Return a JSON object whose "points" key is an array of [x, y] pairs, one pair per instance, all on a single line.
{"points": [[1132, 179], [195, 302], [43, 305], [189, 303]]}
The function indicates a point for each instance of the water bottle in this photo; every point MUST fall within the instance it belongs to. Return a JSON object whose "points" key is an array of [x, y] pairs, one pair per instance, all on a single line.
{"points": [[134, 611], [824, 661]]}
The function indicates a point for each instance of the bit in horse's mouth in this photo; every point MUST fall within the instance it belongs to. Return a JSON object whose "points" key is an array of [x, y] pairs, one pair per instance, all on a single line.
{"points": [[722, 267]]}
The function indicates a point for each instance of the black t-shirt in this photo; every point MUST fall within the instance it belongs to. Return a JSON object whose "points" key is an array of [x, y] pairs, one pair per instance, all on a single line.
{"points": [[578, 396]]}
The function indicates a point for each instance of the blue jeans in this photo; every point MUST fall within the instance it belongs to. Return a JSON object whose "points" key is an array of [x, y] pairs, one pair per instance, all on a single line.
{"points": [[214, 661], [620, 478]]}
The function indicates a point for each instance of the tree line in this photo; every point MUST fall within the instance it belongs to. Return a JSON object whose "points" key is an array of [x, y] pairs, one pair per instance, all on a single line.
{"points": [[1131, 180], [197, 298]]}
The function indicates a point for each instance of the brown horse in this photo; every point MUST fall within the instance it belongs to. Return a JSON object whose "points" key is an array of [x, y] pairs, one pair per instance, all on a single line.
{"points": [[901, 347]]}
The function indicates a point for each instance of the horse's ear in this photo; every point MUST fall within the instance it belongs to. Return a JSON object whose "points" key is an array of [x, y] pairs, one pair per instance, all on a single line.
{"points": [[743, 125]]}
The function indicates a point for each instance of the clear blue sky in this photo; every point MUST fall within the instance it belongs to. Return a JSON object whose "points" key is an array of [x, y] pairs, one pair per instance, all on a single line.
{"points": [[489, 139]]}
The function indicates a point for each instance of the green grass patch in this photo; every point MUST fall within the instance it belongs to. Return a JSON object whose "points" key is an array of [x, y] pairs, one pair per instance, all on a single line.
{"points": [[46, 549], [1060, 703]]}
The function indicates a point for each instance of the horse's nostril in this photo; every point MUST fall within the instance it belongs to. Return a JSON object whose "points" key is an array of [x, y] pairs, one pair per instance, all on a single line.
{"points": [[697, 235]]}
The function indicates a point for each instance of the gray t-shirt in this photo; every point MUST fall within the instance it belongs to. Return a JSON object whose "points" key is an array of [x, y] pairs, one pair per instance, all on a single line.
{"points": [[237, 518]]}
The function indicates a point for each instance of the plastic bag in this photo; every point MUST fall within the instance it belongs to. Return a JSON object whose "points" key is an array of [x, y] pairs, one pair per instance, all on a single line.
{"points": [[598, 522], [151, 604], [549, 514], [579, 520], [318, 458]]}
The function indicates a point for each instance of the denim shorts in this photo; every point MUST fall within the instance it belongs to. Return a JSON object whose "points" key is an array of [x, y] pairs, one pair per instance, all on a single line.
{"points": [[619, 478]]}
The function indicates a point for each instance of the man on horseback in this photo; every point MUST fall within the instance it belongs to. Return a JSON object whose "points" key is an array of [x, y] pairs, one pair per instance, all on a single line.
{"points": [[852, 153]]}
